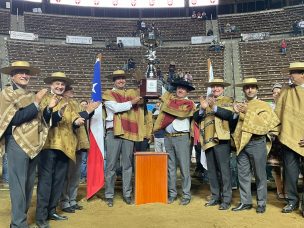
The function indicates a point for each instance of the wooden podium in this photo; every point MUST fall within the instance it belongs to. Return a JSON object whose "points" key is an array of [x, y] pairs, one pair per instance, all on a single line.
{"points": [[151, 181]]}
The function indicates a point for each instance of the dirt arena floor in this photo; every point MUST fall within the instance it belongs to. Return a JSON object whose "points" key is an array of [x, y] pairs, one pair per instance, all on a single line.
{"points": [[97, 214]]}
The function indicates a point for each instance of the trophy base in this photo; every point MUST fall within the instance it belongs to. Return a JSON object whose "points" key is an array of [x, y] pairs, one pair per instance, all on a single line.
{"points": [[150, 88]]}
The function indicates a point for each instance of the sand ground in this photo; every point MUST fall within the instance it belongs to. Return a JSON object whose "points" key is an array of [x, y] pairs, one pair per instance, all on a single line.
{"points": [[97, 214]]}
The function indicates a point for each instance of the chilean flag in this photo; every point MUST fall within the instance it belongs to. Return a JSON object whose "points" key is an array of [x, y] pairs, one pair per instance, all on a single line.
{"points": [[95, 164]]}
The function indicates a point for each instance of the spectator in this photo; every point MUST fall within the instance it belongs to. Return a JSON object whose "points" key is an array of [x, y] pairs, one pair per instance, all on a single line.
{"points": [[131, 64], [188, 76], [228, 27], [159, 74], [199, 16], [171, 76], [204, 15], [138, 25], [120, 44], [143, 26], [108, 43], [180, 73], [295, 28], [217, 46], [193, 16], [210, 32], [283, 47]]}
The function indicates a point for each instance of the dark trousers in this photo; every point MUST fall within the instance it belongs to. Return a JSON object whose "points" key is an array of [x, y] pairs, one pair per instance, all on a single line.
{"points": [[142, 146], [21, 170], [218, 162], [292, 167], [52, 170], [198, 152]]}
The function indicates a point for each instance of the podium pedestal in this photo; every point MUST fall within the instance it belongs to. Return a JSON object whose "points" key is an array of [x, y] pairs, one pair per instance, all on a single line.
{"points": [[151, 177]]}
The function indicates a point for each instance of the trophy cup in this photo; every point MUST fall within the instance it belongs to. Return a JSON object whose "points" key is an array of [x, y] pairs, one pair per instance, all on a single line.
{"points": [[150, 86]]}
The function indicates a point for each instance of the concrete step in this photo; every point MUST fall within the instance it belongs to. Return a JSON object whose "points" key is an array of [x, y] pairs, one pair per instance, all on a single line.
{"points": [[17, 23]]}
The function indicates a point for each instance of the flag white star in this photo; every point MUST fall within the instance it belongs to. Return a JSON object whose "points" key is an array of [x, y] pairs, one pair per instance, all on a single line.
{"points": [[93, 87]]}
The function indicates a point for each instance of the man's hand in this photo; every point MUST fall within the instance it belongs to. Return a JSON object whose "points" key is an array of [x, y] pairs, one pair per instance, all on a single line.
{"points": [[301, 143], [62, 109], [243, 108], [79, 121], [211, 102], [92, 106], [54, 101], [39, 95], [236, 108], [135, 100], [204, 103]]}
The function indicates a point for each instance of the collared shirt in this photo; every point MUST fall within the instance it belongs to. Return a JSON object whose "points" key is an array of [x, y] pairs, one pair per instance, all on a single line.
{"points": [[113, 107]]}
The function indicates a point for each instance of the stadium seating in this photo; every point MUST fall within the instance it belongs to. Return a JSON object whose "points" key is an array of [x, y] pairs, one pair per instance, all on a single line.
{"points": [[264, 60], [77, 62], [5, 21], [58, 26], [274, 21]]}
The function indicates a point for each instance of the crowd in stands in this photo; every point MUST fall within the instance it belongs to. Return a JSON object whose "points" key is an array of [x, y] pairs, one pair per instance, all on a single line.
{"points": [[199, 15]]}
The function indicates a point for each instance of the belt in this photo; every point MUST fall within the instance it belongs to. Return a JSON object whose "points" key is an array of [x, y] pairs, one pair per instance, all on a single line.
{"points": [[257, 137], [110, 129], [176, 134]]}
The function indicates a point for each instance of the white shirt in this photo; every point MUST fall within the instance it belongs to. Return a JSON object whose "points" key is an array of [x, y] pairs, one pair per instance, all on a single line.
{"points": [[179, 125], [113, 107]]}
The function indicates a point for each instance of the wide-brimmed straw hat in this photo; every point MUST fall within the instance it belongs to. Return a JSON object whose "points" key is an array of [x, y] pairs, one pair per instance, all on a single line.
{"points": [[119, 73], [58, 76], [20, 65], [217, 81], [277, 85], [248, 81], [294, 66], [183, 83]]}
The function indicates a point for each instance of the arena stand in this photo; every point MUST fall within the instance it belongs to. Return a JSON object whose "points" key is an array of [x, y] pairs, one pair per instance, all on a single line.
{"points": [[58, 26], [5, 21], [274, 21], [264, 60], [77, 62]]}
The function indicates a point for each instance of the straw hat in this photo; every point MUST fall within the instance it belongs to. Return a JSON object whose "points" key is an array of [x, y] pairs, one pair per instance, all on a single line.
{"points": [[294, 66], [248, 81], [119, 73], [276, 85], [20, 65], [217, 81], [58, 76]]}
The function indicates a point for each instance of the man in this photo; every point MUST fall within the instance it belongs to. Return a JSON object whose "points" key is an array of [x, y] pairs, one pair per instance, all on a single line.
{"points": [[256, 121], [83, 172], [290, 109], [216, 144], [59, 147], [24, 128], [174, 117], [69, 194], [124, 126], [275, 155], [148, 126], [159, 136]]}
